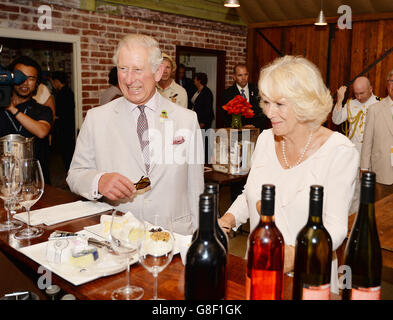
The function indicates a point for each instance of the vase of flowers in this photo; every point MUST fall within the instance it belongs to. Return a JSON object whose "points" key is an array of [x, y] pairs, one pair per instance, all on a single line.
{"points": [[236, 121], [238, 107]]}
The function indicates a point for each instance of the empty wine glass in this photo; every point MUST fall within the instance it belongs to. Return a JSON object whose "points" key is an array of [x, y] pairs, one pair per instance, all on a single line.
{"points": [[9, 188], [156, 250], [32, 188], [125, 240]]}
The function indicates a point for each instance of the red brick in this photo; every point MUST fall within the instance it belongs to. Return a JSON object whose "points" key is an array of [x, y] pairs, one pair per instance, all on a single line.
{"points": [[95, 26], [89, 101], [98, 54], [90, 33], [70, 31], [9, 8]]}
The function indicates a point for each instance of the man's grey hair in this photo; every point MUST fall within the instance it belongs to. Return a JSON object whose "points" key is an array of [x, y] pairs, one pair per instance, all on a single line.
{"points": [[155, 56]]}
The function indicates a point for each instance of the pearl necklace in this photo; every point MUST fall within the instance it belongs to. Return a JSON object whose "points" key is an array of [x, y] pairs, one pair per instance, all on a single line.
{"points": [[284, 155]]}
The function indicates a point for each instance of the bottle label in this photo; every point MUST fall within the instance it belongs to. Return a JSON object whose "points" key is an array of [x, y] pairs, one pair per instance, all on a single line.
{"points": [[373, 293], [316, 292]]}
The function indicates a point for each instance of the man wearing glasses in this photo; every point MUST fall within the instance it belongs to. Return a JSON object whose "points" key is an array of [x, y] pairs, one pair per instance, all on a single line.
{"points": [[24, 115], [377, 150]]}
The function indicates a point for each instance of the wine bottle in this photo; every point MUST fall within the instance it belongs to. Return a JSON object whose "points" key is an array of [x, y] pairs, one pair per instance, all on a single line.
{"points": [[213, 188], [265, 262], [363, 250], [313, 254], [206, 259]]}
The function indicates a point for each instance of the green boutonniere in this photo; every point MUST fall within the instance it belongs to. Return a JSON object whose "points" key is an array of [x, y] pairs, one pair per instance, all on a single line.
{"points": [[163, 115]]}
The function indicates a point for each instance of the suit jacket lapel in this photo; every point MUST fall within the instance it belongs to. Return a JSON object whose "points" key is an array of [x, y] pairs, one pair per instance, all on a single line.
{"points": [[387, 115], [163, 106], [128, 129]]}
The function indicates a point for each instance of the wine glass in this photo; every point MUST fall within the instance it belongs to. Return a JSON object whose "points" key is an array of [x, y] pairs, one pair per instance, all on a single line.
{"points": [[32, 188], [156, 250], [125, 240], [9, 188]]}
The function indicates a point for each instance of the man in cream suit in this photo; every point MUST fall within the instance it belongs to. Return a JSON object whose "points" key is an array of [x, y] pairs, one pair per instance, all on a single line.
{"points": [[141, 134], [377, 150]]}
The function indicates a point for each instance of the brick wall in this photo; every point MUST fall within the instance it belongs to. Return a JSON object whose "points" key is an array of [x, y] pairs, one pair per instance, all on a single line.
{"points": [[100, 33]]}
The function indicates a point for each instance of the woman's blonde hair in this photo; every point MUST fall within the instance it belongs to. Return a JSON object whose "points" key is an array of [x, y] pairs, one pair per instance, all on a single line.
{"points": [[299, 81], [155, 56]]}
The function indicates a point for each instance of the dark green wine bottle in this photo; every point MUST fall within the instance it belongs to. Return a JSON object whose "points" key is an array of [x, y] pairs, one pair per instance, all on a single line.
{"points": [[206, 259], [213, 188], [313, 254], [363, 250]]}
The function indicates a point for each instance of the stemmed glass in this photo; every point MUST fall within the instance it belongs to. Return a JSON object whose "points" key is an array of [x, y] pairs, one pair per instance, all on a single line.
{"points": [[125, 241], [9, 188], [156, 250], [32, 188]]}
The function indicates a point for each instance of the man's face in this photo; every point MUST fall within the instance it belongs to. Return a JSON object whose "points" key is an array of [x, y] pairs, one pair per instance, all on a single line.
{"points": [[26, 89], [362, 91], [181, 73], [136, 79], [390, 87], [56, 84], [241, 76], [167, 69]]}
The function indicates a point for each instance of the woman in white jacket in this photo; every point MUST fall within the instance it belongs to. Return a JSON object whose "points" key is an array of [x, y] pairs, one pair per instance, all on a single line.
{"points": [[297, 153]]}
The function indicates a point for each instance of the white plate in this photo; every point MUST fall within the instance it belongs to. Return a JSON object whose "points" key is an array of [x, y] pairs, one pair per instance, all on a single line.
{"points": [[97, 230], [106, 265]]}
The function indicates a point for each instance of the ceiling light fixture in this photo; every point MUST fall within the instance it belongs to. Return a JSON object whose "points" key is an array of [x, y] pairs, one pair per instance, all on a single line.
{"points": [[321, 21], [231, 3]]}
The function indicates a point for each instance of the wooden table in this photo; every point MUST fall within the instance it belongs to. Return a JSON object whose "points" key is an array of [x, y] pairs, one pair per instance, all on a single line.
{"points": [[224, 179], [171, 280]]}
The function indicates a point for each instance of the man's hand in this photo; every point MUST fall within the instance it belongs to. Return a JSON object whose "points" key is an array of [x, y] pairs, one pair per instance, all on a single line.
{"points": [[227, 222], [340, 96], [114, 186]]}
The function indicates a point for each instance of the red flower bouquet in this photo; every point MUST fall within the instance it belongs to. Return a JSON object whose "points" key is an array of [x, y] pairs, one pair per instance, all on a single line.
{"points": [[239, 105]]}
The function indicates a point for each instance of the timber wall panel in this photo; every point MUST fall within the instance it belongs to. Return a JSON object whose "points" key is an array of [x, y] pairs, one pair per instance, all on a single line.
{"points": [[351, 50]]}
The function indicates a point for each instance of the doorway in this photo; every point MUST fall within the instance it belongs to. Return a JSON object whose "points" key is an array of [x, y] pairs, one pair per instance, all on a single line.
{"points": [[52, 55], [211, 62]]}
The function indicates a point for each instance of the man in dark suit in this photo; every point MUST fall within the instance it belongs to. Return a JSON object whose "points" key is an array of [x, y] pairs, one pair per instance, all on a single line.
{"points": [[65, 112], [248, 91], [186, 83]]}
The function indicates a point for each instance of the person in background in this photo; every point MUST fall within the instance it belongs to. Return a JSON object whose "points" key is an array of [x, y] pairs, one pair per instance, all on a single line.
{"points": [[186, 83], [202, 104], [202, 101], [65, 122], [249, 91], [354, 111], [377, 150], [295, 154], [131, 137], [113, 92], [24, 115], [168, 87]]}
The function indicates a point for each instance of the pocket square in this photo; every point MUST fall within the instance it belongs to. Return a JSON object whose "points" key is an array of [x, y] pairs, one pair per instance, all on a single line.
{"points": [[178, 140]]}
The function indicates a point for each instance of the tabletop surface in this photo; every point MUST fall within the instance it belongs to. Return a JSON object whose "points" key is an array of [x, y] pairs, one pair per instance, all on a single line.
{"points": [[171, 280]]}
